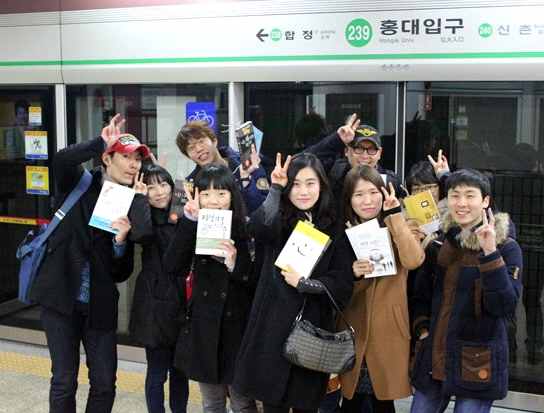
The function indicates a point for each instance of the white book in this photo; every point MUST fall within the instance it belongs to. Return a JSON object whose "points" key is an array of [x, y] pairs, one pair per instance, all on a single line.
{"points": [[303, 249], [373, 244], [113, 202], [214, 226]]}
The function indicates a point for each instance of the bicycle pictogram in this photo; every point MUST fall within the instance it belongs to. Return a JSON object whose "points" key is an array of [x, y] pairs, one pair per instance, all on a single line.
{"points": [[202, 116]]}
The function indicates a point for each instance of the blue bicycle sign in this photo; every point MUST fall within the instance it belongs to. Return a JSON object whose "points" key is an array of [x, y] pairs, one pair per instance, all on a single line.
{"points": [[201, 111]]}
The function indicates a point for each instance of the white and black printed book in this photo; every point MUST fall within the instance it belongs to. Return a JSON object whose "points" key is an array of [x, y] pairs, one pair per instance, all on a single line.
{"points": [[372, 243], [245, 136], [113, 202], [214, 226]]}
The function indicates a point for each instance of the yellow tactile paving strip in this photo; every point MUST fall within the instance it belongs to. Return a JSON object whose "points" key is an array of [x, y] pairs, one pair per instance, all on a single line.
{"points": [[127, 381]]}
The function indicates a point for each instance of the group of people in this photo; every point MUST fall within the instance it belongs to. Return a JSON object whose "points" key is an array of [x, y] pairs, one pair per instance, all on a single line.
{"points": [[437, 326]]}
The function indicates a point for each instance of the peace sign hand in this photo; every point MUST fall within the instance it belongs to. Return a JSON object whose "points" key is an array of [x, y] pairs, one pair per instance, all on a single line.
{"points": [[110, 134], [390, 200], [441, 164], [192, 206], [279, 174], [139, 186], [347, 132], [486, 233]]}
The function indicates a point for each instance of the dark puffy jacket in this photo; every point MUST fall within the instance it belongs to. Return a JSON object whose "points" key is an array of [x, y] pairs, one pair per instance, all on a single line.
{"points": [[159, 297], [465, 299]]}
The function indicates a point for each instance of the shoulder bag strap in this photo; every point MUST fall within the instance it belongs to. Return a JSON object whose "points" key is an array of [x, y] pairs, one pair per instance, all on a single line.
{"points": [[73, 197]]}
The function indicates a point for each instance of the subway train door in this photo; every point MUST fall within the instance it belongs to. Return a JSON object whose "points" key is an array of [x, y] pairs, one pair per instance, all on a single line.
{"points": [[27, 143]]}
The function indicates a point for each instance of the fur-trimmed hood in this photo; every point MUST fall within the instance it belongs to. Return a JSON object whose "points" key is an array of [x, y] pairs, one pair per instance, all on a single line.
{"points": [[467, 238]]}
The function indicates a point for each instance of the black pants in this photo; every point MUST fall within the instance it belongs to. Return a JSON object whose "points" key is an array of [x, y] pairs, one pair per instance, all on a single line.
{"points": [[273, 409], [64, 335], [362, 403]]}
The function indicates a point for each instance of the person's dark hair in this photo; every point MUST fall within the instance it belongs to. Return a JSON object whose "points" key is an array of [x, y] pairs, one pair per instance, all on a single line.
{"points": [[421, 173], [310, 129], [323, 211], [219, 176], [193, 130], [367, 173], [155, 174], [469, 177]]}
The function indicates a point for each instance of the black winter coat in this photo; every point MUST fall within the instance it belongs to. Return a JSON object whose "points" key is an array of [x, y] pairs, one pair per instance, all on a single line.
{"points": [[159, 297], [74, 242], [218, 310], [262, 372]]}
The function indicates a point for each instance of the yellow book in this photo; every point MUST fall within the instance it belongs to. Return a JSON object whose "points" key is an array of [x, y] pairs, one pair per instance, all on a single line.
{"points": [[423, 209], [303, 249]]}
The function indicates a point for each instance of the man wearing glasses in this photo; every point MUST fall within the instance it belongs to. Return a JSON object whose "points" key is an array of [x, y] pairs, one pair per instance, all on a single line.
{"points": [[364, 149]]}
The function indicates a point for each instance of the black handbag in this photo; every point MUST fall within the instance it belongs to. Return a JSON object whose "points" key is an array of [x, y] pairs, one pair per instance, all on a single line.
{"points": [[316, 349]]}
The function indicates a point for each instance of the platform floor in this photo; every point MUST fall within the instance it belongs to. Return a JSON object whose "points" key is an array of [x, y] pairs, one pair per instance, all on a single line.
{"points": [[25, 374]]}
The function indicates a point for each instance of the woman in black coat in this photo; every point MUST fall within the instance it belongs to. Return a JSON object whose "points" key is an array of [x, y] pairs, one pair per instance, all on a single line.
{"points": [[159, 296], [299, 191], [222, 292]]}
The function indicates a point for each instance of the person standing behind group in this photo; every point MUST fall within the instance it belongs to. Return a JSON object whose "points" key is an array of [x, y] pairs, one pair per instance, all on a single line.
{"points": [[222, 292], [197, 141], [363, 146], [299, 191], [159, 300], [467, 289], [378, 309], [76, 286]]}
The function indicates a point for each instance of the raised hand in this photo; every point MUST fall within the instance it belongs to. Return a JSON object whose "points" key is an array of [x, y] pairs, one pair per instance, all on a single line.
{"points": [[441, 164], [139, 186], [390, 200], [279, 174], [252, 165], [362, 268], [347, 132], [486, 234], [192, 206], [122, 225], [229, 253], [110, 134]]}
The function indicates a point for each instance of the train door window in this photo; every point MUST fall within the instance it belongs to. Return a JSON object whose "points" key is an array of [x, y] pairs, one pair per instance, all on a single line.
{"points": [[496, 127], [154, 114], [296, 115], [27, 143]]}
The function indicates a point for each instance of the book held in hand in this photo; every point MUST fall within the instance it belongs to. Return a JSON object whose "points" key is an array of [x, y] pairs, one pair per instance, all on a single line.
{"points": [[423, 209], [373, 243], [303, 249], [245, 136], [179, 199], [113, 203], [214, 226]]}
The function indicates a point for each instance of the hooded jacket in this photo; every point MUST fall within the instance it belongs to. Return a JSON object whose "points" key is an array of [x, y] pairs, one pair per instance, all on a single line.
{"points": [[464, 298]]}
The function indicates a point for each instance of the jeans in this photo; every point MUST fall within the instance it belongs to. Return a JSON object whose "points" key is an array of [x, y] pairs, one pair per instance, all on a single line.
{"points": [[160, 364], [64, 335], [214, 399], [434, 402], [331, 402]]}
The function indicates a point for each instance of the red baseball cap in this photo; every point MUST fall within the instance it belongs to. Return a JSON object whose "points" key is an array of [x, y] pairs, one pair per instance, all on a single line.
{"points": [[128, 143]]}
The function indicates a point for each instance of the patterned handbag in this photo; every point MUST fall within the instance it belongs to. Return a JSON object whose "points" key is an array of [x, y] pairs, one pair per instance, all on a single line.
{"points": [[316, 349]]}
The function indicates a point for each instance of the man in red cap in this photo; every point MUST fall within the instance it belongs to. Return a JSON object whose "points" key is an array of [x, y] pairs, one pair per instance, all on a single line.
{"points": [[76, 284]]}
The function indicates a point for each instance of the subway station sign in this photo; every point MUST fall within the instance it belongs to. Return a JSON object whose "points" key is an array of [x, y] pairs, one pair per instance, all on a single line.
{"points": [[446, 33]]}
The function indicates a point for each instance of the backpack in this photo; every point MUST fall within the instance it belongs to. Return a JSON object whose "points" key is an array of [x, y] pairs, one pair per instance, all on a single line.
{"points": [[32, 249]]}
